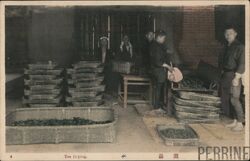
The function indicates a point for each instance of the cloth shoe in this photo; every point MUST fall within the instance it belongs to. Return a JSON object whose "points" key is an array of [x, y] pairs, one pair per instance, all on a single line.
{"points": [[238, 127], [233, 124], [156, 112], [160, 111]]}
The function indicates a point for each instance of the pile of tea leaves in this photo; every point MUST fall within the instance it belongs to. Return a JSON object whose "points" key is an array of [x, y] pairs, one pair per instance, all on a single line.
{"points": [[57, 122], [191, 83], [172, 133]]}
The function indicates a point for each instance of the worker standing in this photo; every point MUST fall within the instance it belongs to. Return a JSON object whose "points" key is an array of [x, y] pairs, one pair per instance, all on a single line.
{"points": [[159, 59], [126, 49], [106, 57], [232, 64], [145, 50]]}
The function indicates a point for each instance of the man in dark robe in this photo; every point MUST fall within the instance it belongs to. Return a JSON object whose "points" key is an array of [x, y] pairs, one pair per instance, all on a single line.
{"points": [[232, 64], [106, 57], [126, 49], [159, 67], [145, 50]]}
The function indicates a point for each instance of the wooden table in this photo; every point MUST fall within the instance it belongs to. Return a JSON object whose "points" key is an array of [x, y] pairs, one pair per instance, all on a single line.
{"points": [[129, 80]]}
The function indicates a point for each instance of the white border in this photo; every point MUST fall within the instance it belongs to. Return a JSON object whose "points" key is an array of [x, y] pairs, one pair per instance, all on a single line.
{"points": [[108, 156]]}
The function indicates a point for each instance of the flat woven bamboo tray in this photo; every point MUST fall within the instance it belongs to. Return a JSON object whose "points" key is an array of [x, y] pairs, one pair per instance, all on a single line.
{"points": [[43, 72], [77, 76], [42, 91], [42, 77], [40, 66], [197, 96], [198, 120], [94, 133], [193, 109], [44, 87], [80, 98], [85, 70], [87, 64], [171, 136], [99, 79], [88, 84], [43, 82], [99, 88], [189, 115], [43, 96], [90, 70], [42, 101], [89, 94], [194, 103]]}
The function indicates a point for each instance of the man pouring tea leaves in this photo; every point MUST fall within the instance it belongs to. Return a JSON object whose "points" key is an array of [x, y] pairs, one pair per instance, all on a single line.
{"points": [[160, 67], [232, 64]]}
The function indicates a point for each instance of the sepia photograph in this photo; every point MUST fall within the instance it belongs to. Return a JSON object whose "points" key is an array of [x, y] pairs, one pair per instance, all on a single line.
{"points": [[119, 80]]}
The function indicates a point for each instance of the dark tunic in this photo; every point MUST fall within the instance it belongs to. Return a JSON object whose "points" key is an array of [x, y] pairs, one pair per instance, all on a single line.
{"points": [[108, 56], [145, 50], [230, 62], [158, 57], [125, 54], [108, 74], [233, 59]]}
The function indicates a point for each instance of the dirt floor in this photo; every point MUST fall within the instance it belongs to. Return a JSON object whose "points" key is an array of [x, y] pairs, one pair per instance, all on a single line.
{"points": [[136, 133]]}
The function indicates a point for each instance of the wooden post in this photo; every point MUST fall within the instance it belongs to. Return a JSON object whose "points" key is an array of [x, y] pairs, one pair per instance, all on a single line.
{"points": [[109, 31], [125, 99], [151, 93]]}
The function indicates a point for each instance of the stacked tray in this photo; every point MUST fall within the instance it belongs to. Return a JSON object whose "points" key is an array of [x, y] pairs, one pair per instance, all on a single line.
{"points": [[85, 84], [43, 85], [193, 107]]}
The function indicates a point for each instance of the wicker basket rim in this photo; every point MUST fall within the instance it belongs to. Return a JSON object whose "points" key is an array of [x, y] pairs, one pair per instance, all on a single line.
{"points": [[68, 126]]}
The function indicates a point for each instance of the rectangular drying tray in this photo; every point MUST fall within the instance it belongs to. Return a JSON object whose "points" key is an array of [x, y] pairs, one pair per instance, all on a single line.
{"points": [[42, 66], [178, 142], [195, 103], [84, 98], [43, 72], [85, 70], [98, 133], [99, 88], [28, 82], [43, 77], [198, 96], [87, 64], [87, 104], [35, 92]]}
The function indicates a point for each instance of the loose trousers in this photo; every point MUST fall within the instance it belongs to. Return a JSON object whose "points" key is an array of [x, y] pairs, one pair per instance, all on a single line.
{"points": [[230, 97]]}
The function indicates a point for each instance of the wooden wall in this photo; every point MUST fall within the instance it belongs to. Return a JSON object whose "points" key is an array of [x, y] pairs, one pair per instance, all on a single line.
{"points": [[51, 36], [16, 35], [114, 23], [65, 34], [91, 24]]}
